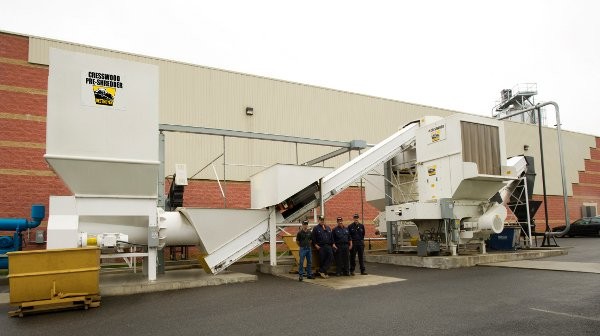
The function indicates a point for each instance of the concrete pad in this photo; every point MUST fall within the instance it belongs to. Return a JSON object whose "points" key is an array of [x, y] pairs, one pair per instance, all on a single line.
{"points": [[345, 282], [126, 283], [267, 268], [448, 262], [566, 266]]}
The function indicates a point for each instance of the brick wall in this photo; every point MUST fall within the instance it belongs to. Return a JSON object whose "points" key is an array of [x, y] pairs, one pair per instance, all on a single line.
{"points": [[25, 177], [586, 191]]}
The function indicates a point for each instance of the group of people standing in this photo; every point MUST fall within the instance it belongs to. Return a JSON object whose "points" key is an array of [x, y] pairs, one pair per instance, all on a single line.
{"points": [[341, 244]]}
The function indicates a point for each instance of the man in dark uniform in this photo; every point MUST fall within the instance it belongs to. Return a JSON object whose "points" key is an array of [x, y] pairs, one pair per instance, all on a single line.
{"points": [[323, 241], [303, 238], [357, 235], [341, 238]]}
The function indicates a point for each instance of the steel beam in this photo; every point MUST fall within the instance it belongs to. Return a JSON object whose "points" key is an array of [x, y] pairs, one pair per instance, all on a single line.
{"points": [[258, 136], [327, 156]]}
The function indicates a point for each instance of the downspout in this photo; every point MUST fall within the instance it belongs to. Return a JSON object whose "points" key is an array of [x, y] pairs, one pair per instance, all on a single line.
{"points": [[562, 163]]}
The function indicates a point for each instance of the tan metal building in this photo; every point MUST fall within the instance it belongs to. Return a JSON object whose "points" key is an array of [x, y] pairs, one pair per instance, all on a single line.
{"points": [[200, 96]]}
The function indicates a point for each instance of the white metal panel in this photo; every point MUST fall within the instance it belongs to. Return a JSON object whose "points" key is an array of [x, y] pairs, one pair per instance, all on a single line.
{"points": [[438, 139], [413, 211], [106, 177], [79, 126], [517, 165], [474, 189], [375, 190], [279, 182], [177, 230], [110, 143], [218, 227], [435, 180], [361, 165], [62, 223], [236, 249]]}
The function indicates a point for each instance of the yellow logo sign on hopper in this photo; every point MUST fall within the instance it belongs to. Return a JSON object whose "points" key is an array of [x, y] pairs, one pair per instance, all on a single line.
{"points": [[104, 95], [104, 86]]}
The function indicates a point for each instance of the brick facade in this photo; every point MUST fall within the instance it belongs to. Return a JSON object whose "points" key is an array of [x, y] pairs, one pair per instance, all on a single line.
{"points": [[586, 191], [25, 177]]}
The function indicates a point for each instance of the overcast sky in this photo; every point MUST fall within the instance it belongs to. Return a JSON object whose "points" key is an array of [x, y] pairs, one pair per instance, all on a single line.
{"points": [[450, 54]]}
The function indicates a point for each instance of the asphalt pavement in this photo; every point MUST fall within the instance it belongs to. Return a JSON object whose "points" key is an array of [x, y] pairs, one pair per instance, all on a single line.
{"points": [[467, 301], [580, 249]]}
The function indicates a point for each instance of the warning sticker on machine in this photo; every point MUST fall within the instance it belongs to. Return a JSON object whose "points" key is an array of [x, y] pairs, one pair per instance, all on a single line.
{"points": [[431, 170], [437, 133]]}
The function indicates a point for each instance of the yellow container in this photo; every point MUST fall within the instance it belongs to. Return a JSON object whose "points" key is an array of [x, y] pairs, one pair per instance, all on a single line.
{"points": [[290, 242], [35, 275], [414, 241]]}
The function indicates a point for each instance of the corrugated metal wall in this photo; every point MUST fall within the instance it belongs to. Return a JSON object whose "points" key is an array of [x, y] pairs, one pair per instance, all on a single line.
{"points": [[199, 96]]}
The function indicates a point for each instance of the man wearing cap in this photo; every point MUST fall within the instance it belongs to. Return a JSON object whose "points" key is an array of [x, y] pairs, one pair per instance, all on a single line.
{"points": [[341, 238], [357, 235], [323, 242], [303, 238]]}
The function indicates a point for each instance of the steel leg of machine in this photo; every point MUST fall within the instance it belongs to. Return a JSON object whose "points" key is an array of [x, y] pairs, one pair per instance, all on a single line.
{"points": [[273, 238]]}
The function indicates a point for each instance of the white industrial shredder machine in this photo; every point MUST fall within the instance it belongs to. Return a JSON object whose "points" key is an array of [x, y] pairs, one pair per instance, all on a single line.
{"points": [[102, 141]]}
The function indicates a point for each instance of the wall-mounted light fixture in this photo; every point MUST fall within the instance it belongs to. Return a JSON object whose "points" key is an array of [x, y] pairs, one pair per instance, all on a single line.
{"points": [[249, 111], [525, 147]]}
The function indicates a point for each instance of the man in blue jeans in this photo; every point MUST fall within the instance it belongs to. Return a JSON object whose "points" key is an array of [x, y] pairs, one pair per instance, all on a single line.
{"points": [[304, 238]]}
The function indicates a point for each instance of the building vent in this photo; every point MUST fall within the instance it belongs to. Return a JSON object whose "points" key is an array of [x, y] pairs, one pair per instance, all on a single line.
{"points": [[588, 210], [481, 144]]}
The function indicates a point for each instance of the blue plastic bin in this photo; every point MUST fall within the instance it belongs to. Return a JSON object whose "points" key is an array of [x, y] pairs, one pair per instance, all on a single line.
{"points": [[506, 240]]}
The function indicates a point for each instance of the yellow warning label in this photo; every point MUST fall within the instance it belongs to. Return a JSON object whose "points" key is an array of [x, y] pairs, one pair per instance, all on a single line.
{"points": [[437, 133], [431, 170]]}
